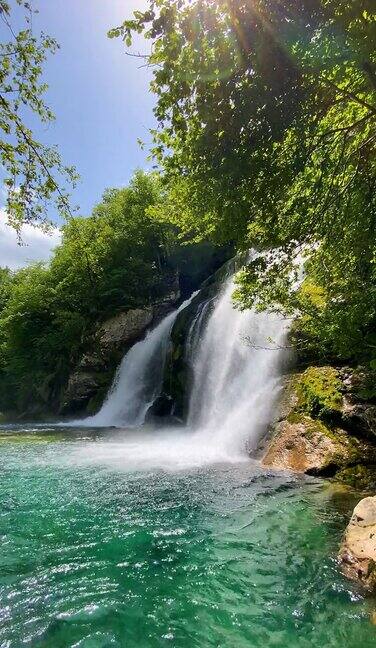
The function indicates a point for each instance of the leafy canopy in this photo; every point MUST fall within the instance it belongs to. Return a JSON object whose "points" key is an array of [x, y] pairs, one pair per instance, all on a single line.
{"points": [[34, 175], [266, 133]]}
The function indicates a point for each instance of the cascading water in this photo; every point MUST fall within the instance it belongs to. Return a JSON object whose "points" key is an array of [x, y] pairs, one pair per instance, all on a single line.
{"points": [[138, 380], [236, 368]]}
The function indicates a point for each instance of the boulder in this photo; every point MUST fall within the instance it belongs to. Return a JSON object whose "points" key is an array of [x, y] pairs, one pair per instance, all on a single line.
{"points": [[300, 446], [357, 554], [80, 388], [318, 432], [359, 400], [360, 416], [303, 444]]}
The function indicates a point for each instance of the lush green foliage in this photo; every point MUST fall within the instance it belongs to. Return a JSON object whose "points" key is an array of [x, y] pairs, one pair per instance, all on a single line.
{"points": [[33, 174], [116, 259], [267, 135]]}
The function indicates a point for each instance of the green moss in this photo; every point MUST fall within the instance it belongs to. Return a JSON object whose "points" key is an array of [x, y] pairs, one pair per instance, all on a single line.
{"points": [[316, 427], [359, 477], [318, 392], [311, 426], [295, 417]]}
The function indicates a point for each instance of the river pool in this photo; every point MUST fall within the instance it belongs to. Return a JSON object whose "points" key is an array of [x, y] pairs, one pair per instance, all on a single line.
{"points": [[98, 552]]}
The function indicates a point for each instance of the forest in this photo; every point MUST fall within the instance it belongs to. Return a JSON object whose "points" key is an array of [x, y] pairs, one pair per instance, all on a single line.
{"points": [[266, 139], [117, 259]]}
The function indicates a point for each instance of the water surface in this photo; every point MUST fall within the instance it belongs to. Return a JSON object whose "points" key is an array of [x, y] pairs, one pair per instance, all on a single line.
{"points": [[98, 552]]}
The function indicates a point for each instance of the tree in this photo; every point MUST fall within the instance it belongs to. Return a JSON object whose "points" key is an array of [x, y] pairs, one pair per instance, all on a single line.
{"points": [[116, 258], [34, 174], [266, 133]]}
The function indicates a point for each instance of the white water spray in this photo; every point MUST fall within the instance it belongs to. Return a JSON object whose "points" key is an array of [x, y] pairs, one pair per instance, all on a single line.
{"points": [[236, 368]]}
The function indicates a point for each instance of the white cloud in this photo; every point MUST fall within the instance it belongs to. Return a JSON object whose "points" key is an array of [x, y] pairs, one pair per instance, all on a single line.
{"points": [[36, 245]]}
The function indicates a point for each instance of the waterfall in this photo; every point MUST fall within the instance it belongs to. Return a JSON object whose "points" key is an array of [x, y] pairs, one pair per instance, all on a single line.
{"points": [[138, 380], [236, 359], [236, 368]]}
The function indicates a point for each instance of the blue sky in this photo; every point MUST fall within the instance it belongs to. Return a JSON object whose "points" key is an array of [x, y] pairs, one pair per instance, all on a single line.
{"points": [[100, 97], [101, 100]]}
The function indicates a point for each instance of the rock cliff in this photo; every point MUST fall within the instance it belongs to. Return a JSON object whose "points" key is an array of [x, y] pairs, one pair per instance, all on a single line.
{"points": [[91, 378], [89, 382]]}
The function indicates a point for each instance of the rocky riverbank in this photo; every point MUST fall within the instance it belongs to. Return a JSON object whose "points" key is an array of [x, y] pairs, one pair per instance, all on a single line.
{"points": [[327, 426]]}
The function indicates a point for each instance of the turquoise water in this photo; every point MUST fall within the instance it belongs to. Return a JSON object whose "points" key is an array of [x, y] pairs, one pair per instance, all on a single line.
{"points": [[95, 555]]}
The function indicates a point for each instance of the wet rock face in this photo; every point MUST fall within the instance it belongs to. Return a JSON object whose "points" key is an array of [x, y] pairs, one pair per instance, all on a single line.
{"points": [[81, 387], [89, 383], [358, 549], [123, 329], [177, 378]]}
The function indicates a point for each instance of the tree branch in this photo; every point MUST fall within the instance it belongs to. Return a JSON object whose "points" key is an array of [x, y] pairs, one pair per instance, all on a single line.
{"points": [[349, 94]]}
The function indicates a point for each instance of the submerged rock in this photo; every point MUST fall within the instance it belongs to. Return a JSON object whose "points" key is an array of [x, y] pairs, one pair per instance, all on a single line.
{"points": [[358, 549]]}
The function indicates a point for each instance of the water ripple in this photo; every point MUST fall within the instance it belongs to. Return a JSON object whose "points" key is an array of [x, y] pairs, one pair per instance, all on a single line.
{"points": [[216, 557]]}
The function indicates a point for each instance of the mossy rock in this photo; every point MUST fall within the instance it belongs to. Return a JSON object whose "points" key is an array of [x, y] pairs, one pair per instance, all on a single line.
{"points": [[360, 477], [318, 391], [309, 445], [311, 426], [347, 449], [364, 384]]}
